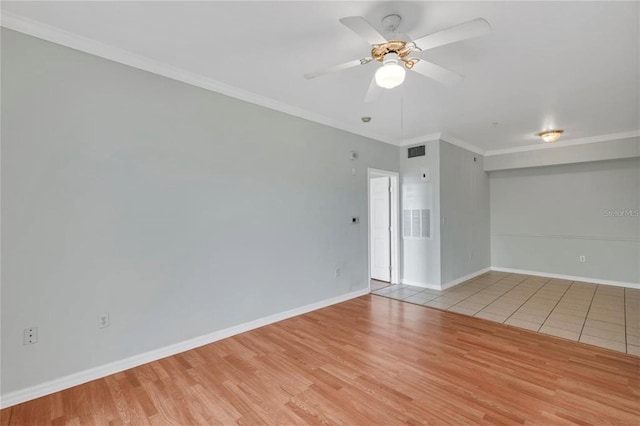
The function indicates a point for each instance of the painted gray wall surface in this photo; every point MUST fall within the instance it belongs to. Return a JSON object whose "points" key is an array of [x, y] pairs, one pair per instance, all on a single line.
{"points": [[543, 219], [556, 155], [464, 213], [421, 257], [178, 211]]}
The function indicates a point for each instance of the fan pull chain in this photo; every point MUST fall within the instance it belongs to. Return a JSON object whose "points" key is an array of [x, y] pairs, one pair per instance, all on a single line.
{"points": [[402, 116]]}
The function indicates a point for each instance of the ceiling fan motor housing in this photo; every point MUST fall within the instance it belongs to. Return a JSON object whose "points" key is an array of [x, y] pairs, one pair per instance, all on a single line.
{"points": [[398, 47]]}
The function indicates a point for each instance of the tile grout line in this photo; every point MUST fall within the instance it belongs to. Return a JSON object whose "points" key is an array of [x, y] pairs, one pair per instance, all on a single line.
{"points": [[523, 303], [381, 288], [556, 305], [387, 294], [413, 295], [424, 290], [420, 291], [587, 316], [434, 300], [523, 283], [473, 294], [437, 297], [519, 284], [511, 289]]}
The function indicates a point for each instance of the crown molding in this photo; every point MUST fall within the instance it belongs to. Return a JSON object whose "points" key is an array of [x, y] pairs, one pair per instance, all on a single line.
{"points": [[74, 41], [418, 139], [444, 137], [462, 144], [571, 142], [470, 147]]}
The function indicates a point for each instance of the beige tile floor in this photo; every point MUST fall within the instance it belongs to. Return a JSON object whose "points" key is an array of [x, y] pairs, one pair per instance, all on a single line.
{"points": [[599, 315]]}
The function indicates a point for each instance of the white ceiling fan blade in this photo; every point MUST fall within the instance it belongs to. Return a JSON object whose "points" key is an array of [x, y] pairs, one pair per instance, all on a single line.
{"points": [[374, 91], [474, 28], [340, 67], [436, 72], [360, 26]]}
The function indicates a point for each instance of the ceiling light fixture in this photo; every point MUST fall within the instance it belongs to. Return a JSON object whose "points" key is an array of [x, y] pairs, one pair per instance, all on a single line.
{"points": [[550, 136], [390, 74]]}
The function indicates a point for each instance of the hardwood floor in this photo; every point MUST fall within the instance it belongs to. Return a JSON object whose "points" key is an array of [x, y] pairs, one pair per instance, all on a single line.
{"points": [[370, 360]]}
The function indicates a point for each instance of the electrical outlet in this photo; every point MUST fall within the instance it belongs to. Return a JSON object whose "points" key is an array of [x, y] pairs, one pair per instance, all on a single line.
{"points": [[582, 259], [30, 335], [103, 321]]}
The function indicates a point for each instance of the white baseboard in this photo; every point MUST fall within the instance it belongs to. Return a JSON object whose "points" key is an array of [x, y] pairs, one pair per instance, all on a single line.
{"points": [[465, 278], [566, 277], [421, 284], [448, 284], [22, 395]]}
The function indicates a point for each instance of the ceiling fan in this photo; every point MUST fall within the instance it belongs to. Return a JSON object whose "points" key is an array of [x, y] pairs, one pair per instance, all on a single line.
{"points": [[398, 55]]}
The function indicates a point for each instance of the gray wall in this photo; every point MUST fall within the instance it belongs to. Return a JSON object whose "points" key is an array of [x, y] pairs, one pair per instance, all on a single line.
{"points": [[543, 219], [178, 211], [421, 257], [556, 155], [464, 213]]}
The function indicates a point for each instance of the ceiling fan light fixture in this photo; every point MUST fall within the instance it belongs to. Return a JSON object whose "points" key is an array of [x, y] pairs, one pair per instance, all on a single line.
{"points": [[550, 136], [390, 74]]}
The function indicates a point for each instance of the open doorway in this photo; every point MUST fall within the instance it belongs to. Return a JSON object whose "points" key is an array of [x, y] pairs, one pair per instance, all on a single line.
{"points": [[383, 203]]}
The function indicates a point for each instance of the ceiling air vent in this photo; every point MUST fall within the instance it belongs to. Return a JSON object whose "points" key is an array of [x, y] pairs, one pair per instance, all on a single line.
{"points": [[416, 151]]}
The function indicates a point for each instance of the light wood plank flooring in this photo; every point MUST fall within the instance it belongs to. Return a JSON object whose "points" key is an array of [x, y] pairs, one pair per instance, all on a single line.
{"points": [[370, 360]]}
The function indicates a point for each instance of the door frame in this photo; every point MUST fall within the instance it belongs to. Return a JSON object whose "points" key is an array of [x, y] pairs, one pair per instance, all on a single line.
{"points": [[394, 202]]}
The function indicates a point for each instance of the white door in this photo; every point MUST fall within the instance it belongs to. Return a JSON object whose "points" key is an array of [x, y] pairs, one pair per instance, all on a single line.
{"points": [[380, 229]]}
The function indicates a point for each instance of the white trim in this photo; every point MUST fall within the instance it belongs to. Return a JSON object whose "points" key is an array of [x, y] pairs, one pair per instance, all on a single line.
{"points": [[84, 44], [419, 139], [22, 395], [567, 277], [470, 147], [421, 284], [440, 136], [571, 142], [565, 237], [462, 144], [395, 228], [465, 278], [394, 181]]}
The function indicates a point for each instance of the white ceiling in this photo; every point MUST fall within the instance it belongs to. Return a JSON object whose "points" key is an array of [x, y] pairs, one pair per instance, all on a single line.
{"points": [[572, 65]]}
